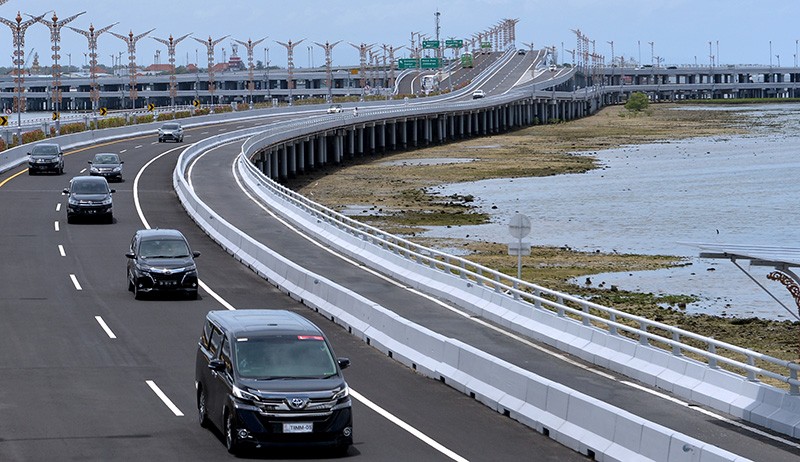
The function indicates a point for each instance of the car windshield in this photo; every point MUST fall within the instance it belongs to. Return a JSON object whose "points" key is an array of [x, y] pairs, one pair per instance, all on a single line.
{"points": [[89, 187], [284, 357], [171, 127], [44, 150], [164, 248], [106, 159]]}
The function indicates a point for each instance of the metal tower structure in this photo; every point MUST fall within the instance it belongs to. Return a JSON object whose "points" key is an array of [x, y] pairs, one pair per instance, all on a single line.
{"points": [[131, 40], [92, 35], [363, 49], [171, 43], [328, 48], [290, 65], [210, 44], [18, 28], [55, 36], [250, 45]]}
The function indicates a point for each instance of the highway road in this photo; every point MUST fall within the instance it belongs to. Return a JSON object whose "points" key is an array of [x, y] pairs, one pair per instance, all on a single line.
{"points": [[84, 361], [92, 374]]}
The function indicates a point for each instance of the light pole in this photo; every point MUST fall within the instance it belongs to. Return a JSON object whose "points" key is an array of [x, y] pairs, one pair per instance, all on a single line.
{"points": [[290, 65], [131, 40], [55, 36], [18, 28], [328, 48], [91, 36], [210, 44], [171, 43], [250, 45]]}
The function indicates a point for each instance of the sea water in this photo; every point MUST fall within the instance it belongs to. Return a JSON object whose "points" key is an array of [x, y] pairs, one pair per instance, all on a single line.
{"points": [[656, 198]]}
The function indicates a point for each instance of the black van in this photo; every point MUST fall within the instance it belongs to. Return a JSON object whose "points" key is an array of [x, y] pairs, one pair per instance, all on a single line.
{"points": [[269, 378]]}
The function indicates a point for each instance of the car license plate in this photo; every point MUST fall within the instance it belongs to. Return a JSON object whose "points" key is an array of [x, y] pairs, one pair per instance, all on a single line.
{"points": [[299, 427]]}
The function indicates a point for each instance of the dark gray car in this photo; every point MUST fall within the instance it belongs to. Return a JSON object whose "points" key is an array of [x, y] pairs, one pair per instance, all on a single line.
{"points": [[46, 157], [89, 197], [108, 165], [160, 260], [269, 378]]}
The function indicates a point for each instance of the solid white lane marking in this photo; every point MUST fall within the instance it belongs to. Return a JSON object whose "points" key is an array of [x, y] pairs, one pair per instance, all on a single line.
{"points": [[61, 250], [105, 327], [164, 398], [55, 225], [75, 282], [58, 207], [416, 433]]}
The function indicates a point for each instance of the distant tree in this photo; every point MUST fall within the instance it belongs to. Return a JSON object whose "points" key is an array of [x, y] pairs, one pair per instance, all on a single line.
{"points": [[637, 102]]}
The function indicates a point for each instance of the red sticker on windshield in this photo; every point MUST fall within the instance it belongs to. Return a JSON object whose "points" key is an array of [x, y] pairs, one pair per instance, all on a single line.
{"points": [[309, 337]]}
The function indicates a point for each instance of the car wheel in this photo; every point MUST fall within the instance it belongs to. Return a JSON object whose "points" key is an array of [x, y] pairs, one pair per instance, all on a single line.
{"points": [[341, 450], [130, 284], [137, 292], [70, 219], [110, 219], [230, 434], [202, 412], [193, 295], [30, 171]]}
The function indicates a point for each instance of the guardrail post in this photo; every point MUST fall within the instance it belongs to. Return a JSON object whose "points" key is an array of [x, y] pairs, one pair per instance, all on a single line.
{"points": [[676, 349], [794, 388], [712, 362], [612, 328], [537, 302], [516, 289], [586, 318], [643, 340], [751, 375], [560, 302]]}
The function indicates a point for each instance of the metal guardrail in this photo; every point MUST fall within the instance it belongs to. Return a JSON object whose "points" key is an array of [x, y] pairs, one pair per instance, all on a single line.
{"points": [[615, 322]]}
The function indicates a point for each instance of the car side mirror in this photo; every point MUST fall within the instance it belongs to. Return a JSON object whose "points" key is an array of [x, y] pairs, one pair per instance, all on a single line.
{"points": [[130, 255], [65, 191], [112, 191], [89, 162], [344, 363], [195, 254], [217, 365], [122, 162]]}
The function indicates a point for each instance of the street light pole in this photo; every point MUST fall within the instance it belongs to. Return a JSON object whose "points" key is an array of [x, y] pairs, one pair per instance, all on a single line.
{"points": [[18, 28]]}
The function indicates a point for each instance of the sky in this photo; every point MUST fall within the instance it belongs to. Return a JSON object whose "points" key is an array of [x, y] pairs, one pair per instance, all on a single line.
{"points": [[674, 32]]}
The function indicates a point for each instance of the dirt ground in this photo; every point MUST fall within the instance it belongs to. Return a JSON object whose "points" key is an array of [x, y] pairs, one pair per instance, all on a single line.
{"points": [[389, 191]]}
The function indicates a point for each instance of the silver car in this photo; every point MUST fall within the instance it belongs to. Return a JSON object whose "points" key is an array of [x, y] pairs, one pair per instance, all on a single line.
{"points": [[170, 131]]}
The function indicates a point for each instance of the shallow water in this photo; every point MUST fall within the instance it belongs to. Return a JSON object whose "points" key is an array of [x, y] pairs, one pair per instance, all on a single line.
{"points": [[651, 199]]}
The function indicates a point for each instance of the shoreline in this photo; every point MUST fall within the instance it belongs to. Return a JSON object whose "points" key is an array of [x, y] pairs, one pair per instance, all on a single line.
{"points": [[393, 192]]}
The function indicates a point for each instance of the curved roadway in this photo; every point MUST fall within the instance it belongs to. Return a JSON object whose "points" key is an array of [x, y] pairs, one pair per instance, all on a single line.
{"points": [[91, 374]]}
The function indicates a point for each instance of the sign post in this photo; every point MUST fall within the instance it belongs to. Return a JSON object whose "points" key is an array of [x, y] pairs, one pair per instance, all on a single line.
{"points": [[519, 227]]}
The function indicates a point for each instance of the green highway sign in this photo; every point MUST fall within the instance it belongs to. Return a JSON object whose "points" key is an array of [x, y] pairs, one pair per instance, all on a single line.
{"points": [[430, 63], [486, 44], [408, 64], [453, 43], [430, 44]]}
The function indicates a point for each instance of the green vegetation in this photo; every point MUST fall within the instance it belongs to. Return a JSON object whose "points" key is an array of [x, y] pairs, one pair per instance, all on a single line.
{"points": [[637, 102]]}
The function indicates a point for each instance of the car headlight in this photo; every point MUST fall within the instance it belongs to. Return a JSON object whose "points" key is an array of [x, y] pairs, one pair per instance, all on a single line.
{"points": [[106, 201], [94, 169], [343, 393], [242, 394], [118, 169]]}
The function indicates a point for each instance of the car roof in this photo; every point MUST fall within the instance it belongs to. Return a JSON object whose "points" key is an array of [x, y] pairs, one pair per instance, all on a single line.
{"points": [[48, 145], [88, 179], [262, 322], [156, 233]]}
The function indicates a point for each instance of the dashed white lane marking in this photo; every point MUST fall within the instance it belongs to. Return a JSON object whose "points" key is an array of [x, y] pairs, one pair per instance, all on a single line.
{"points": [[123, 151], [75, 282], [164, 398], [105, 327], [56, 226], [61, 250], [58, 207]]}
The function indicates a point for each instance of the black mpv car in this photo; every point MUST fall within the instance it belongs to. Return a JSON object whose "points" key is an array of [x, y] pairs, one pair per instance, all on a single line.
{"points": [[46, 157], [161, 260], [269, 378], [89, 197]]}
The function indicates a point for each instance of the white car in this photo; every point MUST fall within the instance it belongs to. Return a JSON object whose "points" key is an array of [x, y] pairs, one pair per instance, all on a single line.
{"points": [[335, 109], [478, 94]]}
